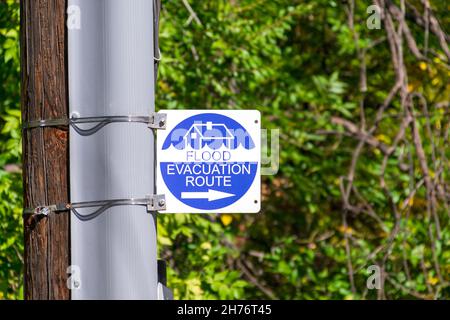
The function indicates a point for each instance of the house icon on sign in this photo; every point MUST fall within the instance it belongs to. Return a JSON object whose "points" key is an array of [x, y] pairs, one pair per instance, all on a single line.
{"points": [[201, 134]]}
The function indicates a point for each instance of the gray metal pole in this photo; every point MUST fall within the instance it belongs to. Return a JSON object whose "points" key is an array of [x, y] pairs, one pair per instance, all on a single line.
{"points": [[111, 73]]}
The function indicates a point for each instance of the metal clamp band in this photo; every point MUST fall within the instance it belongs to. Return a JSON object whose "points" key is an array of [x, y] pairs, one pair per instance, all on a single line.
{"points": [[46, 210], [152, 203], [155, 121]]}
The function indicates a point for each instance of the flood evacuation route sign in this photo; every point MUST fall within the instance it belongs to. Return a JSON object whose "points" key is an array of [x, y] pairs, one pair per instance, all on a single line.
{"points": [[210, 161]]}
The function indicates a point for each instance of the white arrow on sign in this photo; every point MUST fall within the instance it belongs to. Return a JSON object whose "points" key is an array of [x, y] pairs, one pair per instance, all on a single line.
{"points": [[211, 195]]}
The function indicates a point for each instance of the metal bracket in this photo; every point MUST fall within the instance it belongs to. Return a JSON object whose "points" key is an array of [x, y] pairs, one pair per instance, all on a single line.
{"points": [[154, 121], [46, 210], [153, 203], [156, 203], [158, 121]]}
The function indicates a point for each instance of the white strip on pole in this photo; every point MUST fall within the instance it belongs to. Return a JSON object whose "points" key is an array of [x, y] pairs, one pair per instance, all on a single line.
{"points": [[111, 73]]}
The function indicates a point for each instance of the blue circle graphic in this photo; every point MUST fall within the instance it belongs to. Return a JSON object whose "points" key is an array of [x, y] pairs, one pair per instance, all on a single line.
{"points": [[204, 177]]}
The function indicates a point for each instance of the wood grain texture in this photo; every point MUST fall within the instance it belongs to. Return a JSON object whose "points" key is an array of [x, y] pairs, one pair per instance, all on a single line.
{"points": [[45, 151]]}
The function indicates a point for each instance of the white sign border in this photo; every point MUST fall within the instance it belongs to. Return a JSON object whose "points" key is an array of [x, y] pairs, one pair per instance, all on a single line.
{"points": [[250, 202]]}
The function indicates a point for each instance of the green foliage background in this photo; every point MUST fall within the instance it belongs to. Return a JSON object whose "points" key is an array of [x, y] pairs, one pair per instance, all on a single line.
{"points": [[11, 244], [295, 61]]}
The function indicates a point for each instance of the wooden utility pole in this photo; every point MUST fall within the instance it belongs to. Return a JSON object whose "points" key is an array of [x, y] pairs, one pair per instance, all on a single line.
{"points": [[45, 150]]}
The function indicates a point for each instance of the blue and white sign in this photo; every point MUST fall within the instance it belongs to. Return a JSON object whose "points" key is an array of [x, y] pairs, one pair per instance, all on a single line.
{"points": [[209, 161]]}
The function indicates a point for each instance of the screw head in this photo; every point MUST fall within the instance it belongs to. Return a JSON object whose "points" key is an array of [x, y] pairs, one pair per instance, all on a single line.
{"points": [[44, 211], [76, 284], [162, 203]]}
